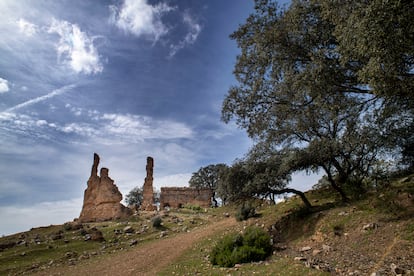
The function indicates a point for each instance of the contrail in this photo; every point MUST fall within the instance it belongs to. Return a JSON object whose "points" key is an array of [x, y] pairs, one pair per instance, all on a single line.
{"points": [[52, 94]]}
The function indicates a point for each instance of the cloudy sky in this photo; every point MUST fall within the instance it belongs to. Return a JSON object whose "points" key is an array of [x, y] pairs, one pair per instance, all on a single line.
{"points": [[126, 79]]}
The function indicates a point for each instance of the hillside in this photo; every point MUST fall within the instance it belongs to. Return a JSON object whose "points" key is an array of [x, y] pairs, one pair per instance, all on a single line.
{"points": [[374, 234]]}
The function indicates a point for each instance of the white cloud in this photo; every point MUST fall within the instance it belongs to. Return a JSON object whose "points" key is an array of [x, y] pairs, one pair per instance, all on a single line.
{"points": [[27, 28], [52, 94], [76, 48], [136, 127], [4, 85], [140, 18], [174, 180], [23, 218], [194, 30]]}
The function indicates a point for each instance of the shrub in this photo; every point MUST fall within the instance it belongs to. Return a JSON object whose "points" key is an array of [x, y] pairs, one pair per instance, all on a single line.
{"points": [[156, 222], [258, 238], [193, 207], [253, 246], [245, 211]]}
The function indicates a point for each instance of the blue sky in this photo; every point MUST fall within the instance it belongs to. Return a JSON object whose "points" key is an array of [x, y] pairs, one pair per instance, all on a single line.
{"points": [[126, 79]]}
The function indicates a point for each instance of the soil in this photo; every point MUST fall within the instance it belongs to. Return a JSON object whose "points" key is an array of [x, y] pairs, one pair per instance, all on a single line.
{"points": [[146, 259], [379, 250]]}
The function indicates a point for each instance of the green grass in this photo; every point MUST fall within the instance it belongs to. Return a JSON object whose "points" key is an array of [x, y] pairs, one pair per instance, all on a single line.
{"points": [[196, 262], [22, 258], [297, 226]]}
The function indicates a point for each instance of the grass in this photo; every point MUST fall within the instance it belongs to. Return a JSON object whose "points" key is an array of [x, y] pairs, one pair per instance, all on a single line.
{"points": [[195, 262], [329, 215], [72, 247]]}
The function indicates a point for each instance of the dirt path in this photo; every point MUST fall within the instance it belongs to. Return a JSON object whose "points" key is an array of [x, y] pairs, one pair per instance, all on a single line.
{"points": [[147, 259]]}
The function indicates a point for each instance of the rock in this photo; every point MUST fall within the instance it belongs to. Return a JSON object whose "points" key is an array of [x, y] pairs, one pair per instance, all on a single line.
{"points": [[95, 235], [316, 252], [237, 265], [129, 229], [302, 259], [226, 215], [70, 254], [280, 247], [305, 248], [397, 270], [163, 234], [343, 213], [326, 248], [102, 198], [84, 256], [57, 236], [133, 242], [370, 226], [8, 244]]}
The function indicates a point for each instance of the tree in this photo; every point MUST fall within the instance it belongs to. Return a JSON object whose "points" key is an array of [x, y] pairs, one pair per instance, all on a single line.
{"points": [[297, 90], [257, 176], [377, 37], [207, 177], [134, 197]]}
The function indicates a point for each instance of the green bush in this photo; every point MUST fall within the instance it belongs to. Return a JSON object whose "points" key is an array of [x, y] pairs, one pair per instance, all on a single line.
{"points": [[253, 246], [193, 207], [245, 211], [156, 222], [258, 238]]}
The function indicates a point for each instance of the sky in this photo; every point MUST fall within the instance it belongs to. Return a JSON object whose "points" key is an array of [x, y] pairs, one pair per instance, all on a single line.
{"points": [[126, 79]]}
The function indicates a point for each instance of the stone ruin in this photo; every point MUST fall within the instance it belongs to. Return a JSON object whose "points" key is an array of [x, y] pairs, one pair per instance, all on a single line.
{"points": [[102, 198], [177, 197], [148, 202]]}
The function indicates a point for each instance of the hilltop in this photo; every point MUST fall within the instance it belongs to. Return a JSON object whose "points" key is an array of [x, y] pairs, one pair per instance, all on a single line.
{"points": [[373, 234]]}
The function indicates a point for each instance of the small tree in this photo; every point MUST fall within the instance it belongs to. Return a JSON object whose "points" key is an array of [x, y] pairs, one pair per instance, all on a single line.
{"points": [[208, 177], [134, 197]]}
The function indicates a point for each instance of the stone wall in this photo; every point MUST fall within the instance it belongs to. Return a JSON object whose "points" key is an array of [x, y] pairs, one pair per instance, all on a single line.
{"points": [[177, 197]]}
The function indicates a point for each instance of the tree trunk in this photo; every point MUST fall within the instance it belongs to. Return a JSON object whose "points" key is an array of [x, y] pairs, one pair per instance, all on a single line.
{"points": [[299, 193], [335, 186]]}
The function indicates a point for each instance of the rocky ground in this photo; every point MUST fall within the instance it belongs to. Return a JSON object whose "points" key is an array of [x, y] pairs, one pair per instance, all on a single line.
{"points": [[356, 240], [147, 259]]}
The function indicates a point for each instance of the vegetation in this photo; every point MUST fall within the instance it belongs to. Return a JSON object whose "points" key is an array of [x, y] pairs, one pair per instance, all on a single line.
{"points": [[312, 90], [134, 197], [253, 246], [156, 222], [245, 211], [207, 177]]}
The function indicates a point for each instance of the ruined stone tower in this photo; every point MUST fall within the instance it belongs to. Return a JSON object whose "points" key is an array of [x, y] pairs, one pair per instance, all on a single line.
{"points": [[148, 203], [102, 198]]}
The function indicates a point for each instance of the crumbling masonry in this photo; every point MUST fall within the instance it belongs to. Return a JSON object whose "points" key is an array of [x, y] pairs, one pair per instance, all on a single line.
{"points": [[102, 198]]}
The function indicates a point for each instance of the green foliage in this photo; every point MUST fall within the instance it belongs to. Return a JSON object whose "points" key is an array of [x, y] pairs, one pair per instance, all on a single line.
{"points": [[245, 211], [253, 246], [134, 197], [156, 222], [258, 238], [208, 177], [309, 81], [193, 207]]}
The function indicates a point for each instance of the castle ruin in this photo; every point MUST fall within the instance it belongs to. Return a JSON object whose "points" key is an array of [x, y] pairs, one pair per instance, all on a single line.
{"points": [[177, 197], [101, 200], [148, 202]]}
